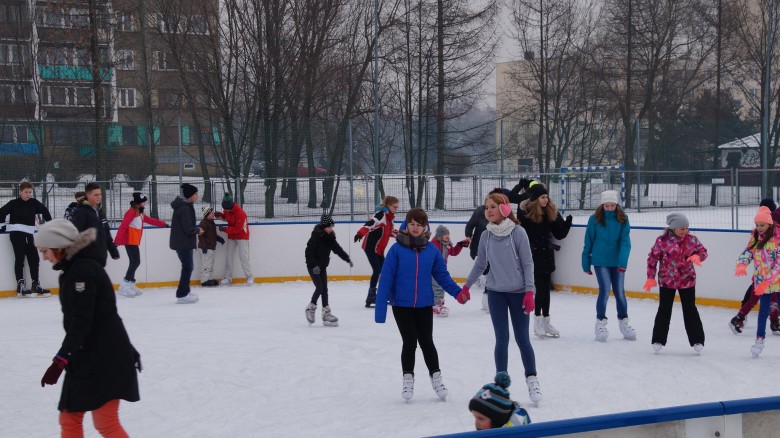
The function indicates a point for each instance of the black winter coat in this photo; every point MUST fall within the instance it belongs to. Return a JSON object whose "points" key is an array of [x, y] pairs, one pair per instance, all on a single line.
{"points": [[474, 228], [184, 229], [23, 212], [101, 359], [539, 235], [320, 245], [87, 217]]}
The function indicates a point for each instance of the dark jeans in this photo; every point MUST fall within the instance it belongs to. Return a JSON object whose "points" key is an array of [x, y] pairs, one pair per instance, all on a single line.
{"points": [[376, 261], [320, 286], [543, 282], [501, 303], [24, 246], [690, 316], [134, 258], [416, 326], [185, 255], [751, 300]]}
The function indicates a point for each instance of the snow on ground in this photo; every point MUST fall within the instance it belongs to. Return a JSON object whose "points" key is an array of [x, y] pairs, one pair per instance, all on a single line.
{"points": [[243, 362]]}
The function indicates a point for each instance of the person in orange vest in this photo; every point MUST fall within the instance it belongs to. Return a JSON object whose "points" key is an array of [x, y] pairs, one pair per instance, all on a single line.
{"points": [[129, 234]]}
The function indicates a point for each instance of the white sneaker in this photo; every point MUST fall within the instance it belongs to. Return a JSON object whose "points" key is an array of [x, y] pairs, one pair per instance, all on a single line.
{"points": [[698, 347], [485, 306], [625, 328], [250, 280], [126, 290], [311, 309], [601, 330], [757, 348], [136, 289], [438, 386], [534, 392], [328, 319], [190, 298], [225, 282], [549, 329], [408, 390], [538, 326], [657, 347]]}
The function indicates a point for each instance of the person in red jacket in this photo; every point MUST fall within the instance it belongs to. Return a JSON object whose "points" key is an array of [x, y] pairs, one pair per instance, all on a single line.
{"points": [[379, 229], [129, 234], [237, 230]]}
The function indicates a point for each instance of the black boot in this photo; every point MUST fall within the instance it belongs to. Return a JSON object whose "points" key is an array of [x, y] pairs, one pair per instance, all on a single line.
{"points": [[21, 289], [40, 291], [371, 298]]}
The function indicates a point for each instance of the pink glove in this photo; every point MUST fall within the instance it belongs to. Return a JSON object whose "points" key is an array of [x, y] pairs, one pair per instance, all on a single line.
{"points": [[528, 302], [761, 288], [741, 270], [52, 374], [464, 296], [695, 259], [589, 272], [649, 284], [622, 270]]}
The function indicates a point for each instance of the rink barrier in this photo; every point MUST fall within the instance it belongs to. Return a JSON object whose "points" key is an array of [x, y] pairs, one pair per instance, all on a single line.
{"points": [[754, 417]]}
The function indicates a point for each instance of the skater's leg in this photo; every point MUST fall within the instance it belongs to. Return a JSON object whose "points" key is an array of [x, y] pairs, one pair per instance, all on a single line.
{"points": [[691, 316], [404, 319], [134, 261], [498, 305], [106, 419], [663, 316], [423, 318], [605, 286], [520, 326], [19, 245], [32, 257], [763, 315]]}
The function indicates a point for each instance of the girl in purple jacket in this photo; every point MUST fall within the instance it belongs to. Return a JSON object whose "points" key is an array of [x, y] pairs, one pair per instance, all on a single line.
{"points": [[674, 253]]}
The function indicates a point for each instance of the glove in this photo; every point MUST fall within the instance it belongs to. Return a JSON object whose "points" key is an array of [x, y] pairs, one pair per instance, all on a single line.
{"points": [[528, 302], [52, 374], [2, 229], [205, 250], [649, 284], [222, 229], [351, 265], [315, 270], [358, 237], [589, 272], [220, 240], [761, 288], [741, 270], [525, 182], [623, 270], [569, 219], [137, 362], [463, 296], [464, 243], [695, 259], [218, 214]]}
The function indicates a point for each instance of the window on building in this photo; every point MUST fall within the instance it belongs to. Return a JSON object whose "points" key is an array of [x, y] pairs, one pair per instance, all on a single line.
{"points": [[173, 99], [130, 135], [12, 94], [125, 60], [78, 18], [166, 23], [49, 17], [164, 61], [81, 57], [10, 13], [124, 21], [197, 24], [127, 98], [83, 96], [13, 134], [9, 54]]}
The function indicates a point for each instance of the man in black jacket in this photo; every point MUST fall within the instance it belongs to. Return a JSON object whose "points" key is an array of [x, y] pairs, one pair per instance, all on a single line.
{"points": [[184, 239], [89, 214]]}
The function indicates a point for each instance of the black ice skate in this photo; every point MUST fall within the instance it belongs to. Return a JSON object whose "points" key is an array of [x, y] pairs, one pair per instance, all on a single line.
{"points": [[40, 291]]}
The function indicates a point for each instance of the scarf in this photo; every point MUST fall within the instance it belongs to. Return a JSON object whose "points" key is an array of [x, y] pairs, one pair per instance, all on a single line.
{"points": [[503, 229]]}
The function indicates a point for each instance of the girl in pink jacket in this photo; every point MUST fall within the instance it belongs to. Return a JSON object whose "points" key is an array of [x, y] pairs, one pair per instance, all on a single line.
{"points": [[674, 253], [129, 234]]}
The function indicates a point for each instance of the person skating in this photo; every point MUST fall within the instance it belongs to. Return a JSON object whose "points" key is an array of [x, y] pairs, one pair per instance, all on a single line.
{"points": [[22, 212], [129, 234], [318, 249], [673, 256], [207, 244], [441, 239], [377, 232], [183, 239], [476, 224], [237, 230], [90, 214], [99, 361], [607, 246]]}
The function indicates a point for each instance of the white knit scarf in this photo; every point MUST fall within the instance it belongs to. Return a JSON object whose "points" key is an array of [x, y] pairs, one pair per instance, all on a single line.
{"points": [[503, 229]]}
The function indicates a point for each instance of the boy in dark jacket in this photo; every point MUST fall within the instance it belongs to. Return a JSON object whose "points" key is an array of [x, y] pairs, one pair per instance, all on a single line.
{"points": [[183, 239], [207, 243], [318, 248], [90, 214]]}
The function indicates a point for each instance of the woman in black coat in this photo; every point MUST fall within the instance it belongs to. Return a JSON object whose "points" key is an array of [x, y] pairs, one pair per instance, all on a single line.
{"points": [[541, 221], [99, 361], [318, 249]]}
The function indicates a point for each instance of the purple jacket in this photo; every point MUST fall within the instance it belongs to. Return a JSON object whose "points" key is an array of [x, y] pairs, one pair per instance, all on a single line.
{"points": [[672, 252]]}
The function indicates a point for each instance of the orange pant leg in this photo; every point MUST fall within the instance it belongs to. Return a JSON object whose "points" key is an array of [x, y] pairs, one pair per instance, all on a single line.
{"points": [[71, 424], [106, 419]]}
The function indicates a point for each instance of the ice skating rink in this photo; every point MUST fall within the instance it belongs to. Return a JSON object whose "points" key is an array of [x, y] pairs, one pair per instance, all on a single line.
{"points": [[243, 362]]}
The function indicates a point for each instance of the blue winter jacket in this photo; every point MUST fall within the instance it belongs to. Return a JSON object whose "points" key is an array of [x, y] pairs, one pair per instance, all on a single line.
{"points": [[606, 245], [405, 280]]}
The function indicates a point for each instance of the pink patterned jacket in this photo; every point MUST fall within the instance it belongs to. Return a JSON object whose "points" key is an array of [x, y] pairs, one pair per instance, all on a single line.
{"points": [[672, 252]]}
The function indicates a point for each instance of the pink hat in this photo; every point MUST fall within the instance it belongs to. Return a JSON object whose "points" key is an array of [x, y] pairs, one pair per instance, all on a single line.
{"points": [[763, 215]]}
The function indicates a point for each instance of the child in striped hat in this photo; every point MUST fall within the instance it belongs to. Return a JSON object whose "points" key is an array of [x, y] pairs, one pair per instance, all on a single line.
{"points": [[492, 408]]}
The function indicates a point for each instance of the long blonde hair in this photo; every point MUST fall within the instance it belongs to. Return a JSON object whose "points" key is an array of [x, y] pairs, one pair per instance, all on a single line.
{"points": [[536, 213], [500, 198]]}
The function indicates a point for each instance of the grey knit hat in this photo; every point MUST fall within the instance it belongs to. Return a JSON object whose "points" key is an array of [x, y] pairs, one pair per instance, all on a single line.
{"points": [[441, 230], [677, 220], [58, 233]]}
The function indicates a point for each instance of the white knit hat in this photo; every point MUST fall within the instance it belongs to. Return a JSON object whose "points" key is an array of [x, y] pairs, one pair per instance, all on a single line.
{"points": [[58, 233], [610, 196]]}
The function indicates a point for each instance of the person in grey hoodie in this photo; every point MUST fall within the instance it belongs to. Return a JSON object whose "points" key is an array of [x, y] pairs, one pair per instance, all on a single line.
{"points": [[510, 283]]}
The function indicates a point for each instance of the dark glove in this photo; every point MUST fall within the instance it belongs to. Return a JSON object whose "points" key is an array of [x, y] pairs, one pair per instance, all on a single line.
{"points": [[205, 250], [315, 270], [52, 374], [137, 361], [464, 243], [351, 265], [525, 182], [2, 229], [222, 229], [220, 240], [569, 219], [358, 237]]}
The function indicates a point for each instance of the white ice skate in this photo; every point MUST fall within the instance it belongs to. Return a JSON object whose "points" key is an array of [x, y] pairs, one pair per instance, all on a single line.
{"points": [[190, 298], [328, 320], [311, 309], [538, 326], [250, 281], [549, 330], [698, 348], [136, 289], [657, 347], [225, 282], [408, 389], [601, 330], [534, 391], [758, 347], [485, 306], [438, 386], [625, 328], [126, 290]]}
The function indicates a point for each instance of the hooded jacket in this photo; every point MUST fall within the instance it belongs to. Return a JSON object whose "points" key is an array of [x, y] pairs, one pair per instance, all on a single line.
{"points": [[131, 229], [379, 230], [184, 229], [766, 261], [606, 245], [539, 235], [670, 254], [87, 216], [237, 223], [320, 245]]}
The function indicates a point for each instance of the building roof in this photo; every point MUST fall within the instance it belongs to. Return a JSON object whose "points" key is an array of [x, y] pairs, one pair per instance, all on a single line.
{"points": [[751, 142]]}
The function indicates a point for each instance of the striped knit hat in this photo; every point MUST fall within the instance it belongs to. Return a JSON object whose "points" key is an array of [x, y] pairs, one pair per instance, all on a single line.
{"points": [[493, 401]]}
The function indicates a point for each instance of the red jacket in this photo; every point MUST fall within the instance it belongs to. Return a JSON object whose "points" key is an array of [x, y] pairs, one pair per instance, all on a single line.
{"points": [[452, 249], [132, 227], [237, 223], [379, 229]]}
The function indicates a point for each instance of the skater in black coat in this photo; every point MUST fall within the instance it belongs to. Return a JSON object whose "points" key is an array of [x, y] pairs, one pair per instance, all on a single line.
{"points": [[99, 361], [541, 221], [89, 214], [318, 249]]}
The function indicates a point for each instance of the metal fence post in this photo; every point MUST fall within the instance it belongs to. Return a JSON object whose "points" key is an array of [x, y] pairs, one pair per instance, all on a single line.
{"points": [[736, 216], [351, 176], [638, 170]]}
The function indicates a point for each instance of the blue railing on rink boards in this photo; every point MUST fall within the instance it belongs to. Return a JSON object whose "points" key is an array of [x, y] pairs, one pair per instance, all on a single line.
{"points": [[628, 419]]}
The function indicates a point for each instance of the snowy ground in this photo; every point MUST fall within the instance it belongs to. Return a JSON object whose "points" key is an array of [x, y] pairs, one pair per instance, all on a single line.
{"points": [[244, 363]]}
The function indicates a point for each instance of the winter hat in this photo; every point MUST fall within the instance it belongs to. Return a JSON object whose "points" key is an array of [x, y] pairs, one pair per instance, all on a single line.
{"points": [[536, 190], [206, 211], [493, 401], [677, 220], [326, 221], [763, 215], [441, 230], [227, 201], [187, 190], [768, 203], [138, 198], [609, 196], [58, 233]]}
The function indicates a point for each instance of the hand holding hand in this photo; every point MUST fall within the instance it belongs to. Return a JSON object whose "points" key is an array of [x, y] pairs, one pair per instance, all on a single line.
{"points": [[464, 296], [695, 259], [741, 270], [623, 270], [761, 288], [464, 243], [316, 270], [222, 229], [649, 284], [528, 302], [54, 371]]}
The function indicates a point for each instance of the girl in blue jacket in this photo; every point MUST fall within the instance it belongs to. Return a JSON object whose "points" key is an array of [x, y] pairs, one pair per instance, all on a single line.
{"points": [[607, 246], [405, 283]]}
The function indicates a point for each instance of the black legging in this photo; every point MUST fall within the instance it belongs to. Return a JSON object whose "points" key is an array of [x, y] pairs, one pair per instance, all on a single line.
{"points": [[693, 326], [24, 246], [416, 326], [134, 258], [320, 286], [376, 261], [543, 282]]}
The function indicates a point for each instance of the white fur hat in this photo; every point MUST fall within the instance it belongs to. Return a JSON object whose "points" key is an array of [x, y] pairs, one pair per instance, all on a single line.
{"points": [[59, 233], [610, 196]]}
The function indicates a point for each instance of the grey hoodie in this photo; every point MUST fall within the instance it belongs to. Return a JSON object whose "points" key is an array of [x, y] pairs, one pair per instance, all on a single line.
{"points": [[511, 262]]}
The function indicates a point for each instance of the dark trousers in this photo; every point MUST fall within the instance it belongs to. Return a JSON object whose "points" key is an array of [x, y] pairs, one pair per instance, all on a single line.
{"points": [[24, 246], [501, 304], [543, 282], [376, 261], [416, 327], [320, 286], [185, 255], [752, 299], [690, 316], [134, 258]]}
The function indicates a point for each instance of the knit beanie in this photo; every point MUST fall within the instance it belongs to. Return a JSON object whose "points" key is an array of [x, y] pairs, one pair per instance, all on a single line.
{"points": [[768, 203], [227, 201], [187, 190], [326, 221], [57, 233], [441, 230], [536, 190], [138, 198], [763, 215], [677, 220], [206, 211], [609, 196], [493, 401]]}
